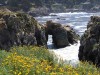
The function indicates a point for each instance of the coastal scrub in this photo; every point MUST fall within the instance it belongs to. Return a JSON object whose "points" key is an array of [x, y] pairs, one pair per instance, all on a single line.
{"points": [[28, 60]]}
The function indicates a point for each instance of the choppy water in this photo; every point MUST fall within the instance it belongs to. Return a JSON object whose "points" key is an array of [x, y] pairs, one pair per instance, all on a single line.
{"points": [[78, 21]]}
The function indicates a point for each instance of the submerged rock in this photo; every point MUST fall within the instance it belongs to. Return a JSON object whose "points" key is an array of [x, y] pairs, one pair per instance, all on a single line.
{"points": [[20, 29], [90, 42], [62, 35]]}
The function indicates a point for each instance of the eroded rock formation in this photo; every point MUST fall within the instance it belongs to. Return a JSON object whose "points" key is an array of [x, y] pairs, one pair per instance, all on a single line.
{"points": [[90, 42], [62, 35]]}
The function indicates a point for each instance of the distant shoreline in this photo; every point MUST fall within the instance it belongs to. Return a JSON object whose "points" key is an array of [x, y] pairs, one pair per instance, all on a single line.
{"points": [[68, 11]]}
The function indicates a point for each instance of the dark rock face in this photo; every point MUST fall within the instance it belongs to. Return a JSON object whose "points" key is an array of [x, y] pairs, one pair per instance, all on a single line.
{"points": [[20, 29], [62, 35], [90, 42], [60, 38]]}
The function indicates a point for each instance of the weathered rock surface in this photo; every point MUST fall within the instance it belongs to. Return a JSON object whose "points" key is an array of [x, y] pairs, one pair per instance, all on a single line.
{"points": [[90, 42], [20, 29], [62, 35]]}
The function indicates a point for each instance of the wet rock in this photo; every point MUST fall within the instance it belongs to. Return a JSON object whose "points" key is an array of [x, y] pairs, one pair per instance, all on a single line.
{"points": [[62, 35], [90, 42], [20, 29]]}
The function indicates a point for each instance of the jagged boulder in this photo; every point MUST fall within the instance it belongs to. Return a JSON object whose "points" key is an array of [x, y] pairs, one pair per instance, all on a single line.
{"points": [[20, 29], [90, 42], [62, 35]]}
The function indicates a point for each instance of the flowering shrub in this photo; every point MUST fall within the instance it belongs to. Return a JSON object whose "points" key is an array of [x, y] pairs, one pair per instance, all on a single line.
{"points": [[39, 61]]}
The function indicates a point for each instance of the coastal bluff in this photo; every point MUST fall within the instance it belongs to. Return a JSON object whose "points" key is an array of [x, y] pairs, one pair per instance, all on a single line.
{"points": [[20, 29], [90, 42]]}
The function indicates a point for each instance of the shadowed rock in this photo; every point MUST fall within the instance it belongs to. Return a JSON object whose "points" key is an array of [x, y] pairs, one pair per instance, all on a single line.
{"points": [[90, 42]]}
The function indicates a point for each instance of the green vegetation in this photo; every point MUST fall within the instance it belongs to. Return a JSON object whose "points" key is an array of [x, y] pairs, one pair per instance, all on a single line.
{"points": [[28, 60], [27, 4]]}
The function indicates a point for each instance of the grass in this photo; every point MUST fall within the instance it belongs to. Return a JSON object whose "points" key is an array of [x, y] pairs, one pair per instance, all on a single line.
{"points": [[28, 60]]}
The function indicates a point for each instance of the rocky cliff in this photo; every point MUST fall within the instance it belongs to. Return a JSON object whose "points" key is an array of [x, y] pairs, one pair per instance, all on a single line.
{"points": [[90, 42], [20, 29]]}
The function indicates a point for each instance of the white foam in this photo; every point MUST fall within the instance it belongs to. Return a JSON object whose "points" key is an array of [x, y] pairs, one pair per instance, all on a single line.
{"points": [[69, 13], [77, 27], [69, 53]]}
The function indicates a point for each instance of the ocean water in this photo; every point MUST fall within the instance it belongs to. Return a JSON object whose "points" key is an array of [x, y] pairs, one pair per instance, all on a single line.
{"points": [[78, 21]]}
